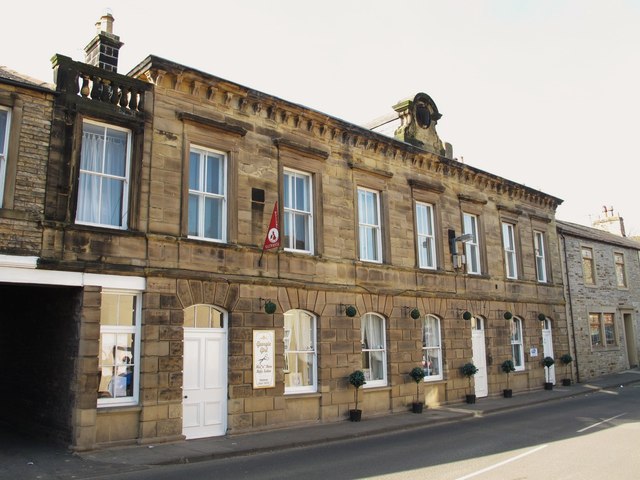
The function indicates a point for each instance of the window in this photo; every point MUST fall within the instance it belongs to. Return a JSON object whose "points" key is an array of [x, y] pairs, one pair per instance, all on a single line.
{"points": [[207, 195], [298, 218], [541, 261], [587, 266], [426, 236], [300, 365], [370, 233], [508, 241], [374, 353], [203, 316], [119, 357], [5, 122], [103, 187], [621, 277], [472, 247], [602, 329], [517, 349], [431, 348]]}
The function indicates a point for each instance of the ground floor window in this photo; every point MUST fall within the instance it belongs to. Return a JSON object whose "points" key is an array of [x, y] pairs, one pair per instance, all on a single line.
{"points": [[299, 352], [119, 351], [602, 329], [517, 348], [431, 348], [374, 352]]}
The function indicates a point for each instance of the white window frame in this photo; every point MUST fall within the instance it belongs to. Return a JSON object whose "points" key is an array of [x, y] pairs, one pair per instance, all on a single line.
{"points": [[134, 330], [369, 225], [517, 343], [309, 350], [369, 352], [472, 247], [293, 211], [425, 233], [103, 176], [540, 253], [621, 274], [201, 195], [4, 152], [509, 244], [431, 348]]}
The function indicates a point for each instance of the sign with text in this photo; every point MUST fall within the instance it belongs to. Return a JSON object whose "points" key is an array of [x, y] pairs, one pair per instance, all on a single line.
{"points": [[264, 371]]}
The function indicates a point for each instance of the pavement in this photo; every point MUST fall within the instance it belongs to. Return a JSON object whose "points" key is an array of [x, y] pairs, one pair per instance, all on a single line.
{"points": [[26, 458]]}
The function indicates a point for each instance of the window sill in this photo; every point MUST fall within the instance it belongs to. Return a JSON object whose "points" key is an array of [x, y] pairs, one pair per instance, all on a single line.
{"points": [[377, 388], [296, 395], [107, 409]]}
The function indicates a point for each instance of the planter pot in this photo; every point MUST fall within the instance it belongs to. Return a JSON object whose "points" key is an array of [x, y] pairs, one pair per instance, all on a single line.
{"points": [[470, 398], [355, 415], [507, 393], [566, 382], [548, 386], [416, 407]]}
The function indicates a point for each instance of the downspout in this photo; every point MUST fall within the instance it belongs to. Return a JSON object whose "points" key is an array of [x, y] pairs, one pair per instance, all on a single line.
{"points": [[568, 284]]}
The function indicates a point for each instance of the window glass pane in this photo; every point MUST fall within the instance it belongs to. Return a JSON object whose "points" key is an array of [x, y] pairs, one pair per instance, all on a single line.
{"points": [[594, 329], [4, 129], [587, 265], [214, 175], [194, 214], [609, 329], [213, 218], [115, 153], [299, 351], [111, 211], [194, 171]]}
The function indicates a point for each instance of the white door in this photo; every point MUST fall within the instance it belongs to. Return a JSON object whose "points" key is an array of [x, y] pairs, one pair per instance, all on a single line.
{"points": [[204, 390], [547, 348], [479, 357]]}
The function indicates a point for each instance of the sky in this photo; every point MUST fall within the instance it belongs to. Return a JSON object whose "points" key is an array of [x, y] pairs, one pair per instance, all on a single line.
{"points": [[545, 93]]}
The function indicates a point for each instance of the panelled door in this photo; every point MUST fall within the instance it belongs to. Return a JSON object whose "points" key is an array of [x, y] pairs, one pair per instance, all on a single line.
{"points": [[479, 357], [547, 347], [204, 403]]}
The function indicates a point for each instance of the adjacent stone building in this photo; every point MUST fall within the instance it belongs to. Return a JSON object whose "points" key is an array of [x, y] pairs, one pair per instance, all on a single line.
{"points": [[218, 260], [602, 288]]}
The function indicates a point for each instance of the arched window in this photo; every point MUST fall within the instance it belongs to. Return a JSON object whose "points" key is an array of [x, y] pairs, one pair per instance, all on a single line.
{"points": [[203, 316], [431, 348], [374, 351], [300, 359], [517, 347]]}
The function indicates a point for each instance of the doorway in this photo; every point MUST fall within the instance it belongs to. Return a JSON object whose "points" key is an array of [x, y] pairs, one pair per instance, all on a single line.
{"points": [[630, 336], [547, 347], [204, 389], [479, 356]]}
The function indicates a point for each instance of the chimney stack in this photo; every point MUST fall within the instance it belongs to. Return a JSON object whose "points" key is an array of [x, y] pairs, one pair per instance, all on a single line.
{"points": [[103, 50]]}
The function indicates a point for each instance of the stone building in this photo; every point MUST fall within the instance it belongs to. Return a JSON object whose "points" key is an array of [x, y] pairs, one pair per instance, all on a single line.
{"points": [[180, 321], [602, 279]]}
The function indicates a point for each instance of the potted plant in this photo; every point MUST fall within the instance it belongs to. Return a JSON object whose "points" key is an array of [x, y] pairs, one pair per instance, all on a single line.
{"points": [[548, 363], [417, 374], [508, 367], [566, 359], [469, 370], [357, 380]]}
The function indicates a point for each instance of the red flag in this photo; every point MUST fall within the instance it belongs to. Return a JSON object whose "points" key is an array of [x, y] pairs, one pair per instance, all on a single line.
{"points": [[272, 239]]}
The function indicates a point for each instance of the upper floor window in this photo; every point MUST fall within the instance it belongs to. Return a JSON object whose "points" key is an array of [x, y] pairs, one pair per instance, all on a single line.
{"points": [[370, 228], [621, 276], [540, 253], [300, 359], [517, 347], [119, 349], [103, 186], [374, 351], [207, 194], [426, 236], [588, 266], [5, 122], [509, 244], [472, 247], [431, 348], [298, 213]]}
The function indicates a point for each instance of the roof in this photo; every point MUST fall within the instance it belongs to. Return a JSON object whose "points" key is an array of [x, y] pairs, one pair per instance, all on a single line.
{"points": [[11, 76], [595, 234]]}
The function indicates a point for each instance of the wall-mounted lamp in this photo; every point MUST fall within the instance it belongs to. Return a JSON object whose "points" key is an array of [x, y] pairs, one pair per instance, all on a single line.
{"points": [[414, 313], [458, 260], [269, 306], [542, 317], [349, 310], [507, 315], [466, 315]]}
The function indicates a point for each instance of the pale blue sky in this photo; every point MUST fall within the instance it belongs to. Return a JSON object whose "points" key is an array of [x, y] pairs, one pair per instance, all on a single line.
{"points": [[542, 92]]}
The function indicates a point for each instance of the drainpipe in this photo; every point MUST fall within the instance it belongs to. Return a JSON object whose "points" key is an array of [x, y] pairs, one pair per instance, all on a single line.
{"points": [[568, 284]]}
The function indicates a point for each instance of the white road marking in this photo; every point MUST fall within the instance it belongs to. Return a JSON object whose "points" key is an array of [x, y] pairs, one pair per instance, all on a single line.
{"points": [[504, 462], [600, 423]]}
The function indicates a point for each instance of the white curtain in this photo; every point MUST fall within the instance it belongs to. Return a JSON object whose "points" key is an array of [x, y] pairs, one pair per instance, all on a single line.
{"points": [[372, 340]]}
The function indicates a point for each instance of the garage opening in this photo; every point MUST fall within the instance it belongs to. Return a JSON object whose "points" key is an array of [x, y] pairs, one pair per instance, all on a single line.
{"points": [[38, 352]]}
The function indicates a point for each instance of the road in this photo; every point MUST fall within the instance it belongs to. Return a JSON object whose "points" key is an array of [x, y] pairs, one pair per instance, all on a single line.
{"points": [[587, 437]]}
